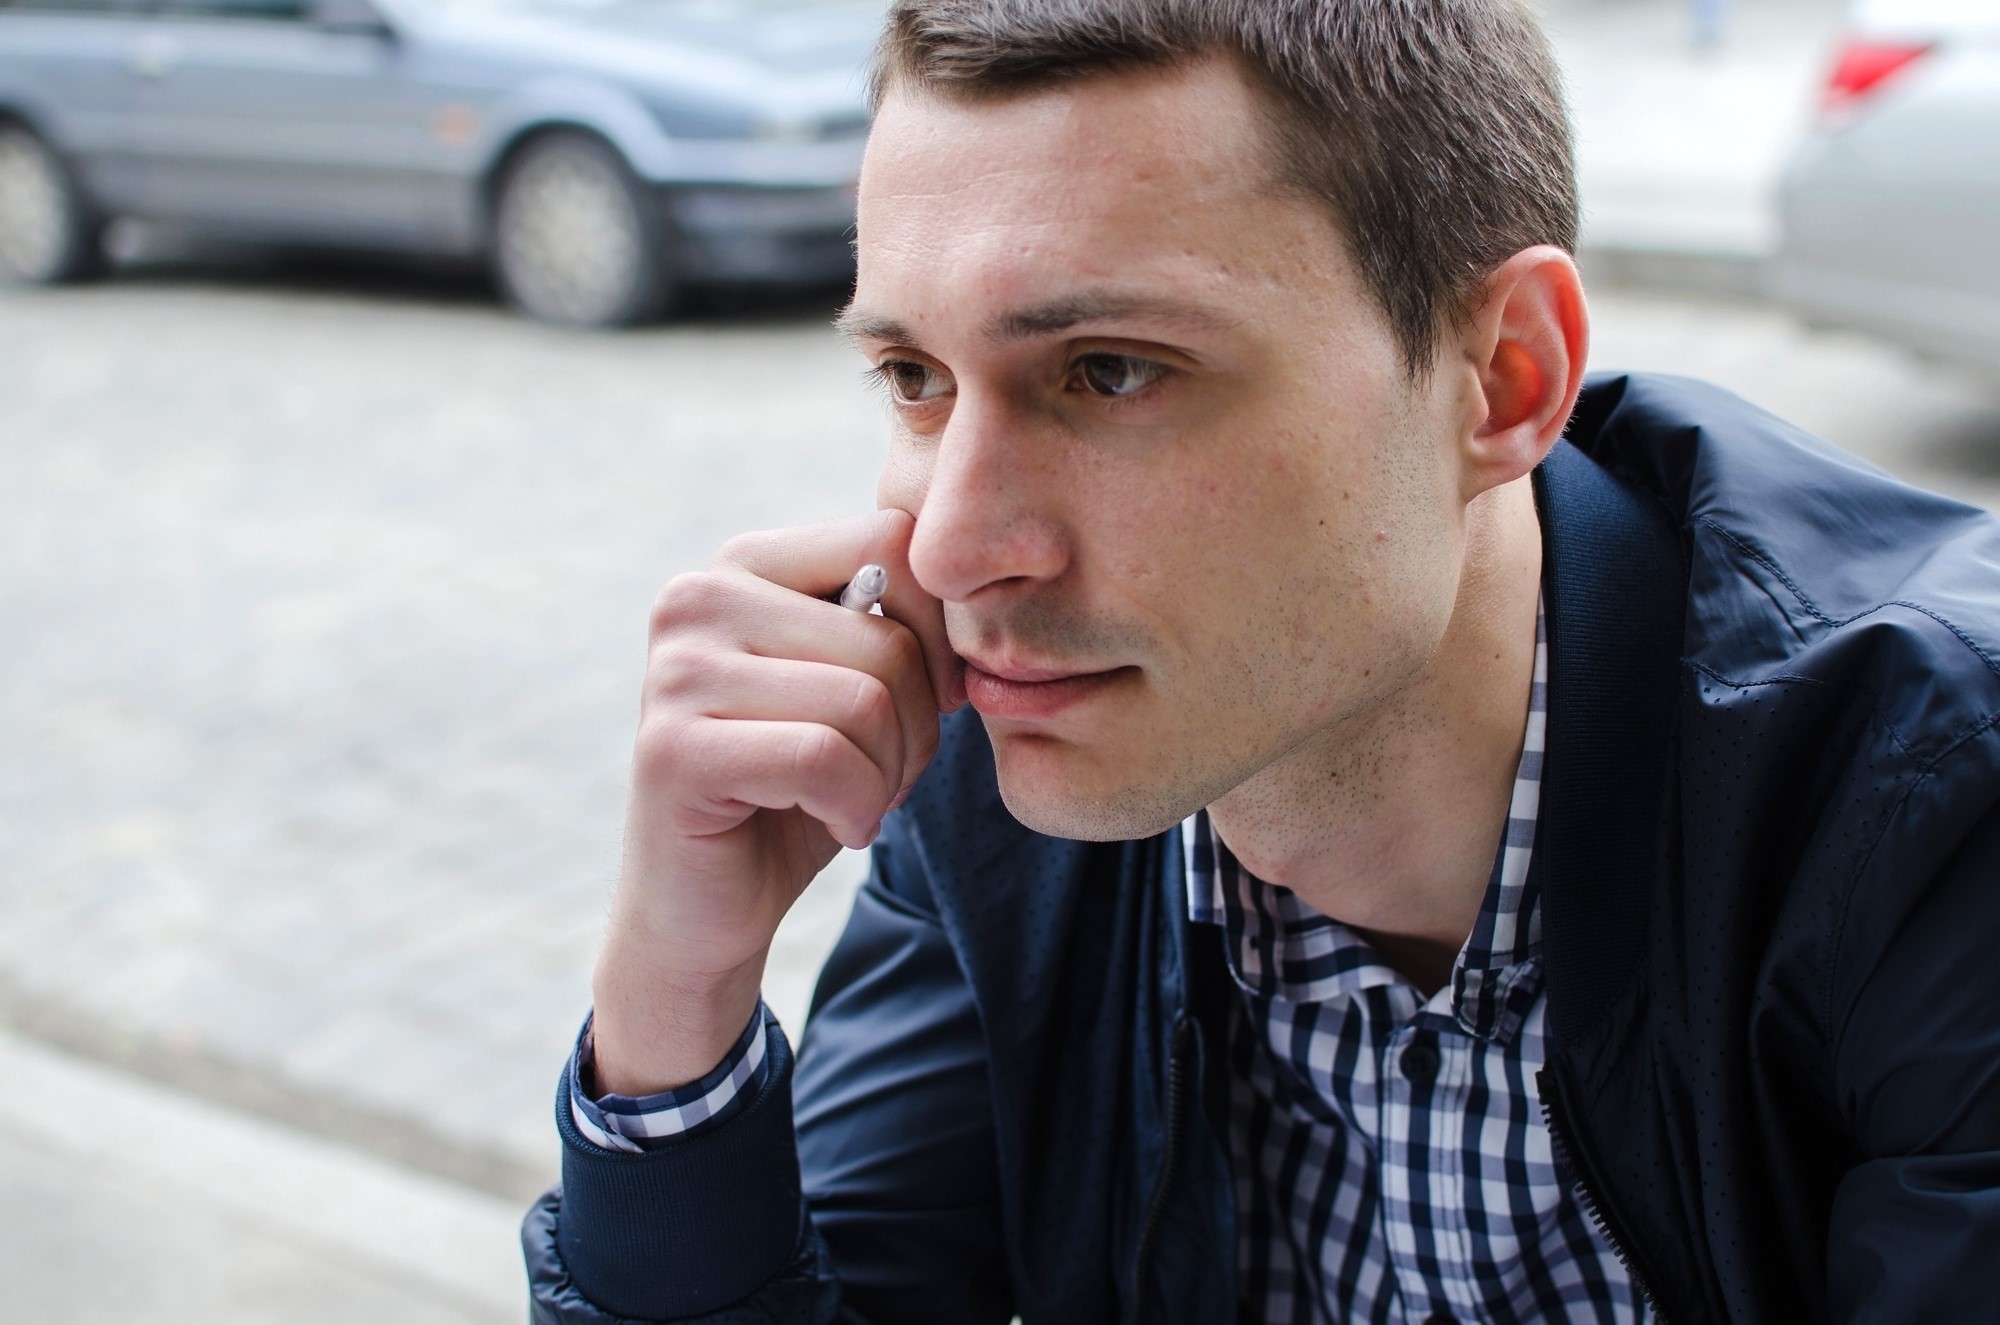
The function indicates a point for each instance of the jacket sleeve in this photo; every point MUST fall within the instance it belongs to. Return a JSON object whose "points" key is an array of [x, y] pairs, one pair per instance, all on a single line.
{"points": [[879, 1206], [1915, 1227]]}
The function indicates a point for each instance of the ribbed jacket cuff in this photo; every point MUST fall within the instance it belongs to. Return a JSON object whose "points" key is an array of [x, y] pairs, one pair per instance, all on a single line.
{"points": [[689, 1228]]}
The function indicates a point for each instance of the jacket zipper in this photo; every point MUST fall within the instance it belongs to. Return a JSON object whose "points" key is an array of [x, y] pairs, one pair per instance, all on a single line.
{"points": [[1156, 1208], [1554, 1116]]}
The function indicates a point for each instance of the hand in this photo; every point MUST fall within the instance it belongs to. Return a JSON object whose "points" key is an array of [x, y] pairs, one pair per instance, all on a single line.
{"points": [[775, 728]]}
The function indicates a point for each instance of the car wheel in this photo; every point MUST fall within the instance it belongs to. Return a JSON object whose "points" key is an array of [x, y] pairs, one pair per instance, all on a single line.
{"points": [[48, 230], [576, 238]]}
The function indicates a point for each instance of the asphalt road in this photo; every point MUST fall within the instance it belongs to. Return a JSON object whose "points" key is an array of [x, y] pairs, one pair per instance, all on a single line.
{"points": [[321, 615]]}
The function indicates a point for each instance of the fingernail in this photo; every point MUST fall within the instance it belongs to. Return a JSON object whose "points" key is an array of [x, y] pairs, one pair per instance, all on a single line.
{"points": [[901, 796]]}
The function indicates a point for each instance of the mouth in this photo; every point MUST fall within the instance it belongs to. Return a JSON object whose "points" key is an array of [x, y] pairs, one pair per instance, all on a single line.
{"points": [[999, 690]]}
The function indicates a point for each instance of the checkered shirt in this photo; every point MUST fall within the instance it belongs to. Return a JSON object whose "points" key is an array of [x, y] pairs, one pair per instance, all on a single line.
{"points": [[1392, 1161], [634, 1123]]}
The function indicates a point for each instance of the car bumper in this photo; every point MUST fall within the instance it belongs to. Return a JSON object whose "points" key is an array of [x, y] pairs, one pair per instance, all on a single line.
{"points": [[764, 235]]}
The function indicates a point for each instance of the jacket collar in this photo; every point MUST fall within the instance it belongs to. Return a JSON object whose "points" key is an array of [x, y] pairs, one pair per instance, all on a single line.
{"points": [[1615, 581]]}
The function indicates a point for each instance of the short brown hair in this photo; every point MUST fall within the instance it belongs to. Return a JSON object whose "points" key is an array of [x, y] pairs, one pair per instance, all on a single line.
{"points": [[1435, 129]]}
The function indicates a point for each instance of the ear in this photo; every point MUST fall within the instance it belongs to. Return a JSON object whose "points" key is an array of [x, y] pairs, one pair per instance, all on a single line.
{"points": [[1525, 349]]}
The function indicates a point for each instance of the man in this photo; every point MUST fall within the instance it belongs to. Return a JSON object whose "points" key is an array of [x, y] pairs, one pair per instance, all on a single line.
{"points": [[1399, 865]]}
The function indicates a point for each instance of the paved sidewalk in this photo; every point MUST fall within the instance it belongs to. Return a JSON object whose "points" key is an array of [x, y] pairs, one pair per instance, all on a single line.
{"points": [[128, 1203]]}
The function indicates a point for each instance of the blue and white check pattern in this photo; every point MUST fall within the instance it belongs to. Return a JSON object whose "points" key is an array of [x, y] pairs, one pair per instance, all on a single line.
{"points": [[634, 1123], [1392, 1160]]}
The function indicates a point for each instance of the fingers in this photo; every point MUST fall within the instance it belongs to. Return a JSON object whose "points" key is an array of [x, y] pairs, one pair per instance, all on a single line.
{"points": [[817, 560], [761, 694], [854, 702], [723, 766], [774, 724], [710, 628]]}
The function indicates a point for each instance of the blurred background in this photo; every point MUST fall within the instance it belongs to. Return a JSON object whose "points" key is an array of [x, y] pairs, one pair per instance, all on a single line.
{"points": [[365, 368]]}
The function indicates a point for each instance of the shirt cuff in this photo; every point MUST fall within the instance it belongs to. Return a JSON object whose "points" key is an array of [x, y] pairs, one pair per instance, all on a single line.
{"points": [[645, 1122]]}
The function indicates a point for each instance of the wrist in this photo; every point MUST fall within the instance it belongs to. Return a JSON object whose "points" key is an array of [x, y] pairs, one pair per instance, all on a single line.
{"points": [[656, 1028]]}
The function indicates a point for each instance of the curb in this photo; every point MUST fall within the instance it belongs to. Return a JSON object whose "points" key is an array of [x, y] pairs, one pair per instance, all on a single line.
{"points": [[242, 1090], [449, 1244]]}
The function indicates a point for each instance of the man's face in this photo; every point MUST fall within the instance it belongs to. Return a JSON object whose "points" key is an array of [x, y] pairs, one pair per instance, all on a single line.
{"points": [[1184, 507]]}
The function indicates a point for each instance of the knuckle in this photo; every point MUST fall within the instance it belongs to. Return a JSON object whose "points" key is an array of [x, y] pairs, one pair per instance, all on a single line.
{"points": [[870, 705], [688, 596], [677, 669], [744, 550], [902, 650], [818, 752], [658, 752]]}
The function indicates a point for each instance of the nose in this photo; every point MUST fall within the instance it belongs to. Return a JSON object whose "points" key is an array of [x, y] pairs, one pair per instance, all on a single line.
{"points": [[991, 514]]}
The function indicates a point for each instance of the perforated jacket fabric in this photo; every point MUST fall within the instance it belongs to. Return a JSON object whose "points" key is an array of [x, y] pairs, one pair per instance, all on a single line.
{"points": [[1770, 867]]}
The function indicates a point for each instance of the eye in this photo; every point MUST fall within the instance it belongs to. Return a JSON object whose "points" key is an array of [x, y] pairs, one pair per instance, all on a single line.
{"points": [[912, 383], [1117, 375]]}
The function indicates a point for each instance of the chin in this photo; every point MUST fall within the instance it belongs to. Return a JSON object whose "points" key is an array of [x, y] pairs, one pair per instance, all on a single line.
{"points": [[1062, 790]]}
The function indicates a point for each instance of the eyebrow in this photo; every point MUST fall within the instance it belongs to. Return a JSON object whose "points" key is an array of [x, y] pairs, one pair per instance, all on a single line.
{"points": [[857, 326], [1043, 319]]}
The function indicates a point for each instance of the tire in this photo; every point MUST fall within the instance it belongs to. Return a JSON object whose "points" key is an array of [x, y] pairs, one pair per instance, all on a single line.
{"points": [[48, 228], [577, 240]]}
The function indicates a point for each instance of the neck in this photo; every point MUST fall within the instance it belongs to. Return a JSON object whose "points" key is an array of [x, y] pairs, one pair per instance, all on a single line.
{"points": [[1389, 821]]}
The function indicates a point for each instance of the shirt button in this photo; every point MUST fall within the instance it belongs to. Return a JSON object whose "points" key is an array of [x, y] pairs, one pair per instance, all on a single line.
{"points": [[1420, 1062]]}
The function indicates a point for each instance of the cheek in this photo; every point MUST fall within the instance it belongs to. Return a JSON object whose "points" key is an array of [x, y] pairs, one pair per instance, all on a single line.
{"points": [[905, 476], [1212, 553], [1294, 566], [1269, 517]]}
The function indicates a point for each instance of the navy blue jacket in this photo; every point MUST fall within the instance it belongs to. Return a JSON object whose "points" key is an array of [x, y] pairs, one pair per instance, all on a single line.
{"points": [[1770, 871]]}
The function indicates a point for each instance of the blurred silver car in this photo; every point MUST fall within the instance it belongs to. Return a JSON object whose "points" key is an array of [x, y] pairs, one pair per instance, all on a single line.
{"points": [[600, 154], [1891, 208]]}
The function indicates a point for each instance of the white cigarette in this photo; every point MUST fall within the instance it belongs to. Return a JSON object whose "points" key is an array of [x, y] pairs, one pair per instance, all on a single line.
{"points": [[866, 588]]}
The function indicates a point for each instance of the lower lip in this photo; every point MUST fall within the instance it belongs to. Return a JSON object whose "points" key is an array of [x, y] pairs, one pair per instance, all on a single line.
{"points": [[997, 697]]}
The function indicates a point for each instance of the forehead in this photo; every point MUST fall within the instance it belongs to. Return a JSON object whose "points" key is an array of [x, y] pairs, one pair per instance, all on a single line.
{"points": [[1120, 178]]}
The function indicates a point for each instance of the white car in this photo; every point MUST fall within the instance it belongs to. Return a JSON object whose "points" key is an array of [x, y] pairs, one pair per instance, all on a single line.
{"points": [[1890, 210]]}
